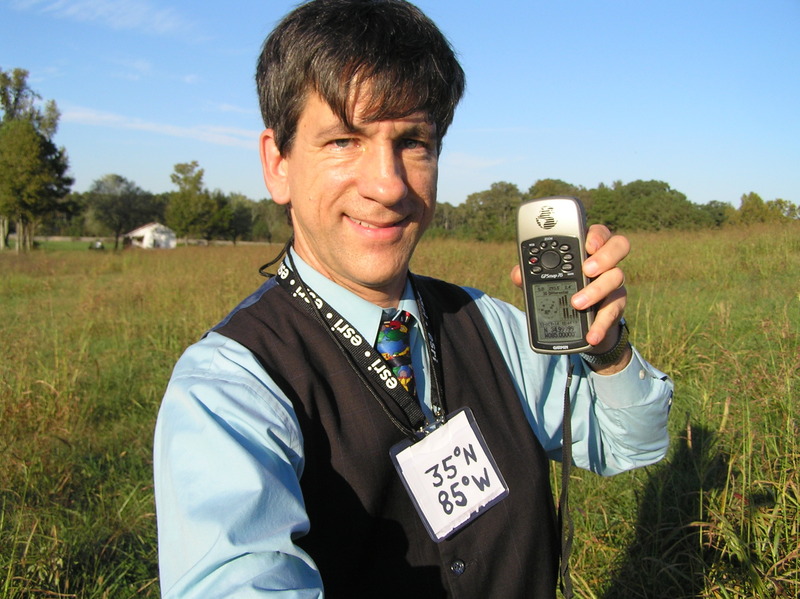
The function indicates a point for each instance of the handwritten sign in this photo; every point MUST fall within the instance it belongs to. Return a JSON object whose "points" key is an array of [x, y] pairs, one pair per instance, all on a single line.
{"points": [[450, 475]]}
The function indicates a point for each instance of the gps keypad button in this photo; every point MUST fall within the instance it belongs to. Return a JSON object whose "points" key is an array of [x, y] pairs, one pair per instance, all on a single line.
{"points": [[550, 260]]}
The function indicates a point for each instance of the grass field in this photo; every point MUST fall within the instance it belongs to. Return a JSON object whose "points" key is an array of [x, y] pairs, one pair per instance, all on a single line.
{"points": [[89, 340]]}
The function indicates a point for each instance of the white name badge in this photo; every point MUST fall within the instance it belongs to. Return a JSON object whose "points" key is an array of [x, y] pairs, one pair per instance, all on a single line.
{"points": [[450, 475]]}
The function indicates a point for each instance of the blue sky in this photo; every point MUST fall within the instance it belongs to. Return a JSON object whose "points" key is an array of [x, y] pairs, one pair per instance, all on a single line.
{"points": [[702, 94]]}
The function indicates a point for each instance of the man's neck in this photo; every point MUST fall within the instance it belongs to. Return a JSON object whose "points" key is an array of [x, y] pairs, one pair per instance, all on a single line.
{"points": [[387, 296]]}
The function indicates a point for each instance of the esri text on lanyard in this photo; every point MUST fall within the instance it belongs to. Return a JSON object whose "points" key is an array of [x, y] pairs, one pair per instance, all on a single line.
{"points": [[365, 360]]}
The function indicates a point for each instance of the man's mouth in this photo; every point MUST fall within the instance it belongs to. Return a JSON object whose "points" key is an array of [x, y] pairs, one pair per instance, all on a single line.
{"points": [[368, 225], [362, 223]]}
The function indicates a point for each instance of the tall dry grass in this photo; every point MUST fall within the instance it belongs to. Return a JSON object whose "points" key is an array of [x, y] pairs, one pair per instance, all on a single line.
{"points": [[89, 340]]}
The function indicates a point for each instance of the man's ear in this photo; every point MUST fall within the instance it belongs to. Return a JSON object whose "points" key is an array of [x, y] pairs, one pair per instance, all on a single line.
{"points": [[275, 168]]}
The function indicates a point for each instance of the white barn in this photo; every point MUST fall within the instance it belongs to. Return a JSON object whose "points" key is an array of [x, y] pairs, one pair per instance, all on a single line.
{"points": [[153, 235]]}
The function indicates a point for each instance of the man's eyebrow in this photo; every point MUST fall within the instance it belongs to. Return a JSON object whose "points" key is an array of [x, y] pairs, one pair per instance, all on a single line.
{"points": [[422, 129], [337, 130]]}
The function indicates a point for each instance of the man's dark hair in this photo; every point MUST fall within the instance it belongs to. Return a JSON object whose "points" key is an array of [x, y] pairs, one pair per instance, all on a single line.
{"points": [[334, 47]]}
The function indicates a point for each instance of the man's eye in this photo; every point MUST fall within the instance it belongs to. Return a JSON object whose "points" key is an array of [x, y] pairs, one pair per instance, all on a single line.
{"points": [[342, 143], [413, 144]]}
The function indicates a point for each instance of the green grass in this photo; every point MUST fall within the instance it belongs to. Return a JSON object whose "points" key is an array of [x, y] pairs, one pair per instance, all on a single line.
{"points": [[90, 338], [76, 245]]}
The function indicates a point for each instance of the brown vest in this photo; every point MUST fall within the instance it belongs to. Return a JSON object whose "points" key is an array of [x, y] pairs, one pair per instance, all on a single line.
{"points": [[366, 537]]}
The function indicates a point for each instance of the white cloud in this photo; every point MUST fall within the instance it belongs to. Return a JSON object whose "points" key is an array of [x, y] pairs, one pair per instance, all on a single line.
{"points": [[135, 69], [140, 15], [235, 109], [223, 136]]}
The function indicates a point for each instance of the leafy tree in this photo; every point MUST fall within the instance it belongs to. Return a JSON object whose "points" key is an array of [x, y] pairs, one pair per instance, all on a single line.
{"points": [[647, 205], [270, 222], [33, 171], [783, 209], [491, 214], [33, 179], [120, 205], [607, 207], [231, 217], [223, 223], [18, 102], [191, 208], [544, 188], [449, 221], [717, 213], [241, 222], [219, 220], [70, 219], [160, 204], [752, 210]]}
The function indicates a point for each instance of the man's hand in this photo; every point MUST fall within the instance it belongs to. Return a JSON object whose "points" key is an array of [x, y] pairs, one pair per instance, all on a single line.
{"points": [[607, 290]]}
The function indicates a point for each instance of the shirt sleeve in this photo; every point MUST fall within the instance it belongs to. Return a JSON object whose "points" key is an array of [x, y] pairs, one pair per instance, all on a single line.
{"points": [[227, 462], [619, 421]]}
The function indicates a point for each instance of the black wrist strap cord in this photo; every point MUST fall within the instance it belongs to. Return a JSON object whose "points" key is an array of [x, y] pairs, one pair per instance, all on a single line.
{"points": [[564, 518]]}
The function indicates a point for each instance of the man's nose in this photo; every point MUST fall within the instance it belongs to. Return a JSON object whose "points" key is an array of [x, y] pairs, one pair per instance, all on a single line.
{"points": [[382, 176]]}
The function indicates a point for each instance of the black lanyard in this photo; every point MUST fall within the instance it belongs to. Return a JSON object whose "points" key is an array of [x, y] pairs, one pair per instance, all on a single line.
{"points": [[366, 361]]}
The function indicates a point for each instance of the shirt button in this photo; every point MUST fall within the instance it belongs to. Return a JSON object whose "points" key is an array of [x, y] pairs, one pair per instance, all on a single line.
{"points": [[458, 567], [642, 374]]}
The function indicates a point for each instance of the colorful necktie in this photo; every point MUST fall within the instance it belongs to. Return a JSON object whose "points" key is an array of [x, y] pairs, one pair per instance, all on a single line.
{"points": [[393, 343]]}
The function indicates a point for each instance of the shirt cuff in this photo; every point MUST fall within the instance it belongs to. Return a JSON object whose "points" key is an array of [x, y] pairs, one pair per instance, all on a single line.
{"points": [[630, 386]]}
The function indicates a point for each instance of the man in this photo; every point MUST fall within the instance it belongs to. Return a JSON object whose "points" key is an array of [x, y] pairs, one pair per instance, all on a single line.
{"points": [[272, 455]]}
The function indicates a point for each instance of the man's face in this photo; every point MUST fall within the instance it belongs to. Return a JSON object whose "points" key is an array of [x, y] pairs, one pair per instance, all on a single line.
{"points": [[360, 199]]}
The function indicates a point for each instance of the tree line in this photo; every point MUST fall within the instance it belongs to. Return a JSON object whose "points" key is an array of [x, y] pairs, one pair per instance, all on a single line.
{"points": [[114, 206], [36, 196], [490, 215]]}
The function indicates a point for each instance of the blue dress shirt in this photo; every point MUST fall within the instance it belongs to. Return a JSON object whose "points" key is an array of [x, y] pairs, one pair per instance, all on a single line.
{"points": [[228, 452]]}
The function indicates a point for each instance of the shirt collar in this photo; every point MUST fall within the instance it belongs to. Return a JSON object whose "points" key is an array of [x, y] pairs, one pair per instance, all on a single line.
{"points": [[364, 316]]}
